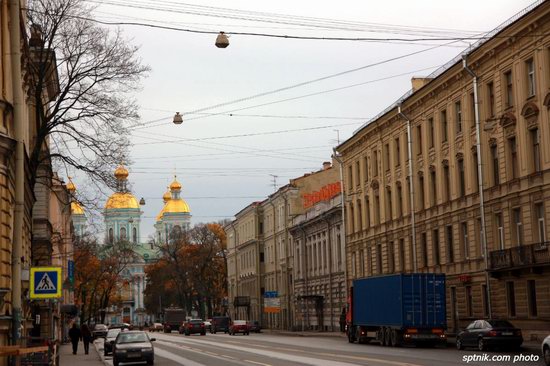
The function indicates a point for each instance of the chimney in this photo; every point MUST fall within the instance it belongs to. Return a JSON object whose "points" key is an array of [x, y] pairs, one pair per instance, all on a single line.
{"points": [[418, 83], [327, 165]]}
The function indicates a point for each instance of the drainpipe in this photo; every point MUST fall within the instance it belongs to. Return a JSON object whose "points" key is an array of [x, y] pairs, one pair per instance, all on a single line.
{"points": [[480, 182], [287, 261], [336, 155], [19, 133], [411, 185]]}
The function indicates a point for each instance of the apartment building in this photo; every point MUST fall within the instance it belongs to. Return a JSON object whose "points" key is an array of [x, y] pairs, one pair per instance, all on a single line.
{"points": [[421, 210]]}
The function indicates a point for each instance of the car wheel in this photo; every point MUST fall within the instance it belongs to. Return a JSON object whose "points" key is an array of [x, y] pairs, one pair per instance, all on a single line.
{"points": [[481, 344], [105, 353], [115, 362], [151, 362], [459, 345], [546, 355], [203, 333]]}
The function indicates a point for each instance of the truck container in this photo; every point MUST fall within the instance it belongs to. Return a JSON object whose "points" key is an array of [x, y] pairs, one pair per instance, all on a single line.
{"points": [[173, 318], [397, 309]]}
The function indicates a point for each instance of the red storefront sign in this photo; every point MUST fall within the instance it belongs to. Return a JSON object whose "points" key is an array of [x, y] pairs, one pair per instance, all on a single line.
{"points": [[324, 194]]}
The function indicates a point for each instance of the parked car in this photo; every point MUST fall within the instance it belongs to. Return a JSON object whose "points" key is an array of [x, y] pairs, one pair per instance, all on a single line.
{"points": [[239, 326], [156, 327], [546, 350], [254, 326], [100, 330], [109, 340], [220, 324], [133, 346], [193, 326], [120, 326], [484, 334]]}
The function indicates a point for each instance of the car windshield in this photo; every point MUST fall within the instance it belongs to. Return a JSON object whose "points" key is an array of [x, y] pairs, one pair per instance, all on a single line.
{"points": [[113, 333], [240, 322], [500, 324], [195, 321], [132, 338]]}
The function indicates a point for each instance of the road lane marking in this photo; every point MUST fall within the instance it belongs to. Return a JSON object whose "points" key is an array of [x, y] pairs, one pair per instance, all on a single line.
{"points": [[195, 350], [258, 363], [181, 360]]}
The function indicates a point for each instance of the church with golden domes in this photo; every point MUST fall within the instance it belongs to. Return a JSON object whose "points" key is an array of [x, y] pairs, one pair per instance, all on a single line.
{"points": [[122, 215]]}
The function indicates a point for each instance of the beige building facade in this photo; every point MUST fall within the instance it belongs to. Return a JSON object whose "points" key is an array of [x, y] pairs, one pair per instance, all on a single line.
{"points": [[510, 277]]}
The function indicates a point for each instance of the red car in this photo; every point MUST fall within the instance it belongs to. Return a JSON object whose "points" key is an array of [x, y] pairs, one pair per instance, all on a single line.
{"points": [[193, 326], [239, 326]]}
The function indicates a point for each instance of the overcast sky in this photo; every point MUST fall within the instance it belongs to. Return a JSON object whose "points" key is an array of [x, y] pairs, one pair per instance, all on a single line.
{"points": [[221, 176]]}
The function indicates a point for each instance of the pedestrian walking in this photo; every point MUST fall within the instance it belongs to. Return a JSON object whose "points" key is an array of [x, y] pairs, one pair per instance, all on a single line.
{"points": [[74, 334], [86, 337], [343, 320]]}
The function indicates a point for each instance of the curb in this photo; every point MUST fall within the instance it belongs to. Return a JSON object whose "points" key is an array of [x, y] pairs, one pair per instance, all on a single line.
{"points": [[101, 355]]}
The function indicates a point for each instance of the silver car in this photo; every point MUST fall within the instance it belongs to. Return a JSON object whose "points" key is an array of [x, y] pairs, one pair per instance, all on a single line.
{"points": [[546, 350]]}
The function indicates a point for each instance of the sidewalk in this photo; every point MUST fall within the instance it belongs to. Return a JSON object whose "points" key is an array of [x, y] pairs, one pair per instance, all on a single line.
{"points": [[68, 359]]}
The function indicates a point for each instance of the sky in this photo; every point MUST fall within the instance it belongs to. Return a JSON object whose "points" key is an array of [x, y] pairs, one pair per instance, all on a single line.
{"points": [[229, 156]]}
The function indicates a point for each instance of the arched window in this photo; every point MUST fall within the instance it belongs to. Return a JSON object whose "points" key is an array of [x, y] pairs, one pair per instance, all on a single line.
{"points": [[111, 238], [134, 235], [122, 233]]}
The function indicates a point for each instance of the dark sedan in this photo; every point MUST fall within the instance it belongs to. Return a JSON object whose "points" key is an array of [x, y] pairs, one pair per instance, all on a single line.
{"points": [[193, 326], [100, 330], [110, 340], [133, 346], [254, 326], [484, 334]]}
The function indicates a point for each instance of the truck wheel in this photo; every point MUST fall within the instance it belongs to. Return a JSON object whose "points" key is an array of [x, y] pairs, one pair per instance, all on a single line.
{"points": [[351, 338], [395, 338]]}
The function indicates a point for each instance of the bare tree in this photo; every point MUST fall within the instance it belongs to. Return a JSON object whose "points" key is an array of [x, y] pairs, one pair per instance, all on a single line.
{"points": [[81, 83]]}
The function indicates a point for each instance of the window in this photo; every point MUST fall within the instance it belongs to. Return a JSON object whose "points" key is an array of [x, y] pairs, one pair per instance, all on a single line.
{"points": [[431, 136], [461, 183], [366, 166], [444, 127], [421, 191], [476, 175], [354, 265], [111, 237], [472, 111], [402, 254], [399, 201], [513, 151], [350, 176], [491, 99], [539, 214], [362, 263], [419, 139], [435, 241], [465, 242], [517, 227], [500, 230], [509, 101], [446, 182], [397, 152], [369, 261], [379, 258], [387, 157], [449, 242], [424, 244], [351, 218], [494, 160], [511, 298], [458, 117], [535, 142], [376, 209], [122, 233], [433, 188], [389, 204], [359, 216], [532, 298], [375, 163], [479, 237], [530, 65], [485, 295], [357, 174], [134, 235], [469, 302], [391, 256]]}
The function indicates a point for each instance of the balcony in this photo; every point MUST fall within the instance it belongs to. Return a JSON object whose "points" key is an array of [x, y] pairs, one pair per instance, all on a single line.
{"points": [[533, 255]]}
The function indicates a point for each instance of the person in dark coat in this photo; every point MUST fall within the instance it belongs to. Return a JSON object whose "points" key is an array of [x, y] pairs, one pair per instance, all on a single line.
{"points": [[343, 320], [86, 337], [74, 334]]}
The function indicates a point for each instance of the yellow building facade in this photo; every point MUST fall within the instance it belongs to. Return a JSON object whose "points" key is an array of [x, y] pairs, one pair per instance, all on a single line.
{"points": [[513, 74]]}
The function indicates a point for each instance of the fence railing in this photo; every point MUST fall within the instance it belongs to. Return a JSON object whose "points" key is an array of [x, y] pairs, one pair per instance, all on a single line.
{"points": [[520, 256]]}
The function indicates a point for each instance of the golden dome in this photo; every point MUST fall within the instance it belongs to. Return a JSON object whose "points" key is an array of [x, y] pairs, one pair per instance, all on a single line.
{"points": [[121, 172], [174, 206], [122, 200], [71, 187], [76, 209], [175, 185], [166, 196]]}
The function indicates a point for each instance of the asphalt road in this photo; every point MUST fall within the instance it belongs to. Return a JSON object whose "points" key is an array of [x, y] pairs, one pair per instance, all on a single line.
{"points": [[280, 350]]}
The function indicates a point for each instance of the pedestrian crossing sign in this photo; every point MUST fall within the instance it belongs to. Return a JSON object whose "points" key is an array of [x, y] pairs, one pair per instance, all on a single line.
{"points": [[45, 283]]}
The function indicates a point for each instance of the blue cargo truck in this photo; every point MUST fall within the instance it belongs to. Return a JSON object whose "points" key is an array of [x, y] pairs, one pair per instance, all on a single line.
{"points": [[397, 309]]}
